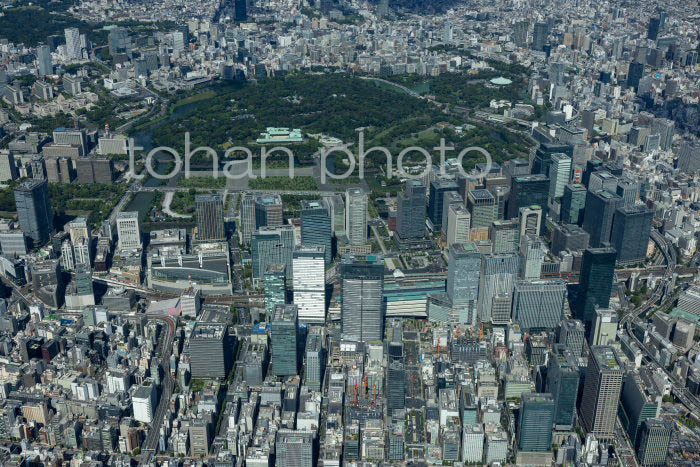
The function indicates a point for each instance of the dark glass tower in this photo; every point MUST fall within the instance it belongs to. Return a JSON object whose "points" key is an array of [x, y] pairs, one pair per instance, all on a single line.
{"points": [[316, 226], [528, 190], [283, 340], [410, 221], [598, 217], [595, 282], [34, 210], [630, 233], [535, 422], [438, 188], [562, 383]]}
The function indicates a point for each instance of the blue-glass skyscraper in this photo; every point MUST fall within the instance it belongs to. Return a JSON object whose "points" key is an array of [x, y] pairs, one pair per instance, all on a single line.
{"points": [[438, 188], [595, 283], [535, 422], [316, 226], [463, 275]]}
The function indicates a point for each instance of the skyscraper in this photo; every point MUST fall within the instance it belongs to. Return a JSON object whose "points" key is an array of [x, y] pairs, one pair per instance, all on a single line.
{"points": [[689, 158], [464, 269], [539, 38], [240, 10], [316, 226], [44, 62], [438, 189], [630, 233], [395, 387], [410, 220], [639, 401], [482, 207], [458, 225], [73, 48], [504, 236], [283, 340], [600, 210], [247, 217], [210, 217], [573, 203], [450, 198], [362, 308], [272, 245], [314, 361], [559, 174], [356, 216], [128, 233], [309, 281], [601, 392], [274, 284], [568, 237], [34, 210], [653, 442], [604, 327], [595, 282], [210, 350], [539, 304], [528, 190], [653, 29], [268, 211], [562, 383], [531, 257], [294, 448], [535, 422], [520, 33], [530, 220], [634, 74], [572, 334]]}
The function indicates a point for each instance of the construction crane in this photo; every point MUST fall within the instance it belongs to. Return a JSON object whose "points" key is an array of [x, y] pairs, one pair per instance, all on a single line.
{"points": [[438, 347], [356, 401], [375, 394], [481, 331], [366, 388]]}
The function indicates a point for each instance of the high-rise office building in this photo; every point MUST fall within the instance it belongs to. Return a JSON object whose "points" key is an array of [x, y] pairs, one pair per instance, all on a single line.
{"points": [[639, 402], [144, 402], [496, 298], [247, 217], [210, 350], [295, 448], [268, 211], [630, 233], [530, 220], [604, 327], [438, 188], [569, 237], [600, 211], [532, 251], [572, 335], [540, 36], [362, 306], [520, 30], [573, 203], [482, 207], [210, 217], [458, 225], [309, 282], [595, 282], [337, 207], [562, 383], [44, 62], [8, 168], [665, 128], [689, 158], [535, 422], [73, 47], [275, 287], [634, 74], [356, 216], [450, 198], [395, 387], [653, 29], [601, 392], [316, 226], [463, 276], [34, 210], [314, 362], [283, 340], [128, 233], [504, 236], [539, 304], [528, 190], [653, 442], [272, 245], [559, 174], [410, 217]]}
